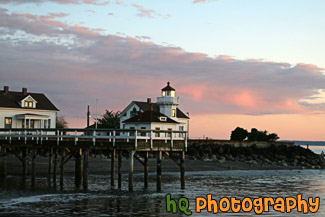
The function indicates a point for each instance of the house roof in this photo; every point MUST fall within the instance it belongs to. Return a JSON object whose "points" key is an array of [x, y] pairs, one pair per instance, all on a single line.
{"points": [[167, 87], [12, 99], [146, 106], [149, 117]]}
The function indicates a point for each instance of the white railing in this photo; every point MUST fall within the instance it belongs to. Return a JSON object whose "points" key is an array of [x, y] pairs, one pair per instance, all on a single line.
{"points": [[94, 135], [168, 100]]}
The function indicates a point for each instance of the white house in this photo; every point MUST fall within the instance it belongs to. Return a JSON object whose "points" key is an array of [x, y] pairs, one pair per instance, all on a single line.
{"points": [[162, 115], [26, 110]]}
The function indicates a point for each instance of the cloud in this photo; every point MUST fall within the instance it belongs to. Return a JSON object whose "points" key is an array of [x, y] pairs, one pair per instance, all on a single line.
{"points": [[18, 2], [74, 65], [202, 1], [149, 13]]}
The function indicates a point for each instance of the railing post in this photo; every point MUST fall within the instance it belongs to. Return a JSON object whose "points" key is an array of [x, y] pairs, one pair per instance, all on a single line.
{"points": [[37, 137], [94, 137], [9, 136], [136, 139], [114, 134], [75, 137], [41, 136], [186, 141], [57, 137], [171, 140], [25, 137], [151, 139]]}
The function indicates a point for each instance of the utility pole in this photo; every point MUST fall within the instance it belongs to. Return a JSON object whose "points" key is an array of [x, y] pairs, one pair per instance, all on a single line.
{"points": [[96, 111], [88, 116], [188, 125]]}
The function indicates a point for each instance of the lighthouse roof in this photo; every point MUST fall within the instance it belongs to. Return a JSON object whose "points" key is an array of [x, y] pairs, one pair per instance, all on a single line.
{"points": [[168, 87]]}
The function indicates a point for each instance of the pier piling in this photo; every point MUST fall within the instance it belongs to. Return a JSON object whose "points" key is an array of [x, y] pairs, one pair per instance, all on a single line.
{"points": [[146, 159], [33, 173], [3, 174], [159, 159], [62, 168], [85, 169], [50, 159], [182, 169], [119, 166], [131, 164], [55, 166], [24, 160], [78, 167], [113, 168]]}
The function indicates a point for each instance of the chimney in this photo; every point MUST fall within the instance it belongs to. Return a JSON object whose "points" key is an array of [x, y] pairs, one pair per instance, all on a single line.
{"points": [[149, 100], [24, 91], [6, 89]]}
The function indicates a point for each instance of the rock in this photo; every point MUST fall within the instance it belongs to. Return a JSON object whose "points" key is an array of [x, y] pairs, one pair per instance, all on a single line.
{"points": [[222, 159]]}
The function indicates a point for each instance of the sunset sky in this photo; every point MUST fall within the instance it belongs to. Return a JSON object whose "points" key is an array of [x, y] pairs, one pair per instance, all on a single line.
{"points": [[252, 63]]}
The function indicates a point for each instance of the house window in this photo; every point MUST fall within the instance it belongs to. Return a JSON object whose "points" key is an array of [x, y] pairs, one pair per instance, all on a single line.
{"points": [[49, 123], [173, 113], [181, 128], [45, 124], [32, 123], [8, 123], [157, 134], [28, 104], [131, 133], [169, 134], [143, 133], [134, 112]]}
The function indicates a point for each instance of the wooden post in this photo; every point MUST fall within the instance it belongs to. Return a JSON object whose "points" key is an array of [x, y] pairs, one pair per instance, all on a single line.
{"points": [[33, 174], [131, 159], [159, 159], [50, 159], [55, 166], [119, 166], [146, 159], [4, 162], [113, 168], [182, 167], [85, 169], [24, 160], [62, 169], [78, 168]]}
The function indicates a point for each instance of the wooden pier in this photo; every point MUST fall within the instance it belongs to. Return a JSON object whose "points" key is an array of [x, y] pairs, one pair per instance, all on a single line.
{"points": [[63, 145]]}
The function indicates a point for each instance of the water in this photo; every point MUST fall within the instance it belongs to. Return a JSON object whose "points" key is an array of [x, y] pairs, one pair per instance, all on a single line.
{"points": [[17, 198]]}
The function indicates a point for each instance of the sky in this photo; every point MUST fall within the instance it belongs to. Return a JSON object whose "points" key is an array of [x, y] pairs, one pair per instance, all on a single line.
{"points": [[233, 63]]}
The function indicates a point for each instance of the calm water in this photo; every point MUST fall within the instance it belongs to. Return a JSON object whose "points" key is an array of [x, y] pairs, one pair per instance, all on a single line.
{"points": [[18, 199]]}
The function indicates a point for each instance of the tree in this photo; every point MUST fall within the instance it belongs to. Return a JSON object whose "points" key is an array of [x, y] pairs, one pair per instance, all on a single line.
{"points": [[109, 120], [239, 134], [256, 135], [61, 122]]}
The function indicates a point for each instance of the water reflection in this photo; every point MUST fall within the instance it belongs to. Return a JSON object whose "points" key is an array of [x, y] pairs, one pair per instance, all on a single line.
{"points": [[17, 197]]}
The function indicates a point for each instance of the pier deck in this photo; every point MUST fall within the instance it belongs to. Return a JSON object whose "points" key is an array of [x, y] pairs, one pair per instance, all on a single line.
{"points": [[77, 143]]}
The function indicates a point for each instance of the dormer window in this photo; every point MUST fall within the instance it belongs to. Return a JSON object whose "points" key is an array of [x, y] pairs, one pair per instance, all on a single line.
{"points": [[28, 102], [134, 112]]}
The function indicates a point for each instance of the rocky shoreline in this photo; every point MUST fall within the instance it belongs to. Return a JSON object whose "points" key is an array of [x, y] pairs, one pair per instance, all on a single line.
{"points": [[273, 156]]}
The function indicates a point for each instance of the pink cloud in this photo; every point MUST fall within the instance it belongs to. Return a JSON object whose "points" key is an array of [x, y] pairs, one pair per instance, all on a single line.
{"points": [[119, 69], [149, 13], [202, 1], [93, 2]]}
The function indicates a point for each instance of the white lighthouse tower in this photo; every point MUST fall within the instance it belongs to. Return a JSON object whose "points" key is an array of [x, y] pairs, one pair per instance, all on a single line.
{"points": [[168, 102]]}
